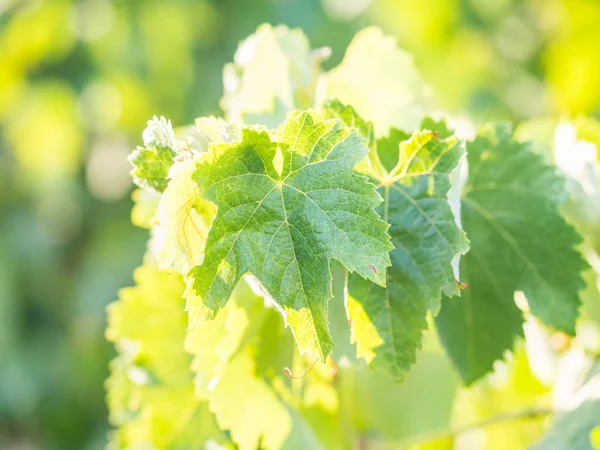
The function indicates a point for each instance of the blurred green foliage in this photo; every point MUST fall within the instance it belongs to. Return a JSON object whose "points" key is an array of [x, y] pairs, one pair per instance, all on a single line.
{"points": [[79, 79]]}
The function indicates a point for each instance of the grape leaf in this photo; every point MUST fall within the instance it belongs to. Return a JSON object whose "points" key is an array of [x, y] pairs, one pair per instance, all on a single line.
{"points": [[519, 242], [150, 389], [387, 322], [380, 81], [184, 220], [152, 314], [151, 167], [284, 227], [168, 417], [214, 343], [209, 130], [387, 148], [274, 71], [237, 358], [183, 216], [564, 144], [151, 163], [262, 421]]}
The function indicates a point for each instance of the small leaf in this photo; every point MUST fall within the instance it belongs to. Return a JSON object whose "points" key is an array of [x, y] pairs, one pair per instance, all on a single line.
{"points": [[210, 130], [274, 71], [151, 167], [380, 81], [184, 219], [152, 162]]}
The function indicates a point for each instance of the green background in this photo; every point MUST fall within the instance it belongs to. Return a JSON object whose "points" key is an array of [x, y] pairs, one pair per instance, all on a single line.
{"points": [[79, 80]]}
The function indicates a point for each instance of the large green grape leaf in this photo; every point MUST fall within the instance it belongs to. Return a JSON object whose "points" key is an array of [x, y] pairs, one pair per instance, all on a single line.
{"points": [[387, 322], [380, 81], [274, 71], [283, 227], [519, 242], [150, 390]]}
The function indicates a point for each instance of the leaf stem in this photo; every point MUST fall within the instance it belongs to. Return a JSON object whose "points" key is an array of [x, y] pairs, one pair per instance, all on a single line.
{"points": [[288, 372]]}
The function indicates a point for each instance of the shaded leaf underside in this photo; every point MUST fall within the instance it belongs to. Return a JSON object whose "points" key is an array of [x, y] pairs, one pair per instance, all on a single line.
{"points": [[519, 242], [387, 323]]}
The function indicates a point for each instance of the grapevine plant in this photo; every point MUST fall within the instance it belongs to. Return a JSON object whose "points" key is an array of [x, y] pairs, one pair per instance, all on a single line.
{"points": [[339, 190]]}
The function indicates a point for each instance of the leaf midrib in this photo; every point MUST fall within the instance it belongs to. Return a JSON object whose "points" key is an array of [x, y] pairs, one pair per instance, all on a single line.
{"points": [[510, 240], [308, 303]]}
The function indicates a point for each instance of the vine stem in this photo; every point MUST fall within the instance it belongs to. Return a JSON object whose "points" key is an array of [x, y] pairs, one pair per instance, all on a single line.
{"points": [[527, 413]]}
